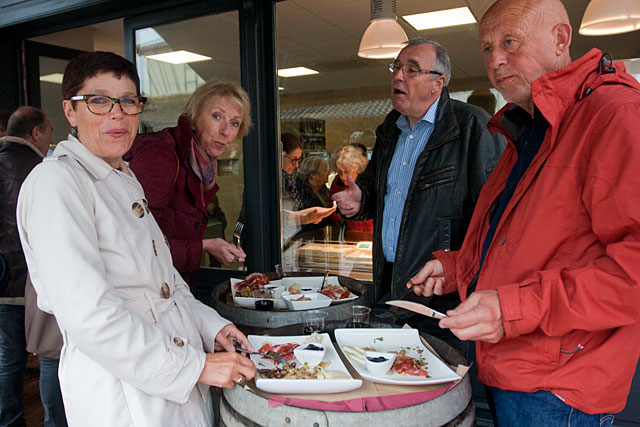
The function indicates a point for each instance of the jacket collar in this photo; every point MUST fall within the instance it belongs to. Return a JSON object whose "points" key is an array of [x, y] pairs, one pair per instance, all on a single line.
{"points": [[93, 164], [182, 134], [21, 141]]}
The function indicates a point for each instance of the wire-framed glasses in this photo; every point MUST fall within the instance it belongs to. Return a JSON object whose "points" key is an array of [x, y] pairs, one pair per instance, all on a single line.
{"points": [[294, 159], [103, 104], [410, 70]]}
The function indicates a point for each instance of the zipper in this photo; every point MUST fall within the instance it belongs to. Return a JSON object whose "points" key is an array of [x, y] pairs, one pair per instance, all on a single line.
{"points": [[445, 169], [435, 183]]}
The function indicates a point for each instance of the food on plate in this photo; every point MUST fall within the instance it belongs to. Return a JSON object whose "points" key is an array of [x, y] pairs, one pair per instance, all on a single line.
{"points": [[336, 292], [355, 353], [407, 365], [252, 286], [295, 288], [318, 372], [284, 350], [314, 338], [314, 347], [302, 298]]}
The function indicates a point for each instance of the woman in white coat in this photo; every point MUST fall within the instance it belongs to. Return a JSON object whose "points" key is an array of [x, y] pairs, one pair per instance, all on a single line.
{"points": [[139, 349]]}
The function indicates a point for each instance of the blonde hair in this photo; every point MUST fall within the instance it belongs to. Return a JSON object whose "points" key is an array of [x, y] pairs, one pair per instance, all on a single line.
{"points": [[352, 158], [223, 89]]}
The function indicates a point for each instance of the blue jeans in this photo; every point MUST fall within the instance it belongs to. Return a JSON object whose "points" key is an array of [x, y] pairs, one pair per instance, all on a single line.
{"points": [[13, 363], [50, 394], [541, 408]]}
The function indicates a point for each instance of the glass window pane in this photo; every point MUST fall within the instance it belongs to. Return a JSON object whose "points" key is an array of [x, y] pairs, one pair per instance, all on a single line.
{"points": [[173, 60]]}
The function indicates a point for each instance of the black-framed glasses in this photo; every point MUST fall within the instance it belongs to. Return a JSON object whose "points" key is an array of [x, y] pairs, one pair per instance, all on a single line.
{"points": [[294, 159], [103, 104], [410, 70]]}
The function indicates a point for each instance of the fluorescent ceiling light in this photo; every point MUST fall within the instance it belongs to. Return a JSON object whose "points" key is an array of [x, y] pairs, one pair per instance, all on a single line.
{"points": [[52, 78], [296, 71], [441, 18], [179, 57], [280, 88]]}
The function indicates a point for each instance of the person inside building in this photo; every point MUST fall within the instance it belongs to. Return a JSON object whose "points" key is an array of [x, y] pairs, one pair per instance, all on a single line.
{"points": [[432, 156], [484, 99], [27, 141], [177, 168], [139, 349], [549, 267], [351, 161], [311, 185]]}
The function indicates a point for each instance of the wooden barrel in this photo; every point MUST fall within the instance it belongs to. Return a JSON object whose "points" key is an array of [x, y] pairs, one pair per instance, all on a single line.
{"points": [[246, 319], [240, 407]]}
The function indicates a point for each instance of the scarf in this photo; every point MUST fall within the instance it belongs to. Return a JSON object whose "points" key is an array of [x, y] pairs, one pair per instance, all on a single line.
{"points": [[204, 166]]}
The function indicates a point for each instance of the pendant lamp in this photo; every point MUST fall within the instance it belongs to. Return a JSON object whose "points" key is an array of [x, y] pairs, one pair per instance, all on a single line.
{"points": [[605, 17], [384, 37]]}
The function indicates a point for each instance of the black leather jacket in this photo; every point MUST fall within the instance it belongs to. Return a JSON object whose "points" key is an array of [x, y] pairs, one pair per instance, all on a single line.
{"points": [[16, 161], [446, 182]]}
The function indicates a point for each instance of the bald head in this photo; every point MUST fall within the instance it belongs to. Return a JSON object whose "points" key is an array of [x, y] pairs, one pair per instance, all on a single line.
{"points": [[522, 40]]}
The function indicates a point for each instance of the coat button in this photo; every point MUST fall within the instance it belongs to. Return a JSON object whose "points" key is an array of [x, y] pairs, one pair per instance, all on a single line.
{"points": [[137, 209], [153, 243], [178, 341], [146, 205], [166, 292]]}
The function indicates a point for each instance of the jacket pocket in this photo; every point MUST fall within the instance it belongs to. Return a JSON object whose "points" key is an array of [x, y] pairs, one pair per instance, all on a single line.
{"points": [[436, 183]]}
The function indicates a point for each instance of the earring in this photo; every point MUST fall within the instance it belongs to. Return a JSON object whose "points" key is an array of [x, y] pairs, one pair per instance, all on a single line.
{"points": [[74, 131]]}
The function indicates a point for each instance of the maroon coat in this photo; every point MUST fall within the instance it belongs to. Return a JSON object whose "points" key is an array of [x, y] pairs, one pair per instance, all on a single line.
{"points": [[160, 161]]}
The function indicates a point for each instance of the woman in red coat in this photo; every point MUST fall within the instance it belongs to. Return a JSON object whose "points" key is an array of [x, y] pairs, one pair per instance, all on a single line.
{"points": [[177, 168]]}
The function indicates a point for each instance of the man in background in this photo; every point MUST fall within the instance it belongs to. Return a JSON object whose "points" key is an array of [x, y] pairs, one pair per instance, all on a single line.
{"points": [[549, 267], [431, 158], [29, 136]]}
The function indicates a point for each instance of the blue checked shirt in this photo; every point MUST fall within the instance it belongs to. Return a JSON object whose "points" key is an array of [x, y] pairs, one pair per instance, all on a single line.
{"points": [[411, 143]]}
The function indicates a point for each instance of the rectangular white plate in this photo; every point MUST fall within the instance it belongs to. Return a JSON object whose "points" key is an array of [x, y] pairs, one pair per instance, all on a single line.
{"points": [[288, 386], [394, 340], [312, 284], [247, 302], [317, 301]]}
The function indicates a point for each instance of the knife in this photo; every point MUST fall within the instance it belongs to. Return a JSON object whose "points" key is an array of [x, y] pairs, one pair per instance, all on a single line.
{"points": [[417, 308]]}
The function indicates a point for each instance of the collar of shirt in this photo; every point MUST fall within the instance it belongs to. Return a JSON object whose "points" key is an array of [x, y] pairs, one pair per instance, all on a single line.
{"points": [[74, 148], [429, 116]]}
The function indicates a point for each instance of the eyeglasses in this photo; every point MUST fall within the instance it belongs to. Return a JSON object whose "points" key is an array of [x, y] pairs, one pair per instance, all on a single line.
{"points": [[293, 159], [410, 70], [103, 104]]}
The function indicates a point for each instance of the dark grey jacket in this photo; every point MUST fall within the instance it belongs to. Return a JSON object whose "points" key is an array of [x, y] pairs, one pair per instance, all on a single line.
{"points": [[17, 158], [448, 176]]}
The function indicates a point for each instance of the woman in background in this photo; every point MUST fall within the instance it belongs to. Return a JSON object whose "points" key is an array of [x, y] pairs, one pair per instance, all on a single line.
{"points": [[311, 185], [139, 349], [177, 168]]}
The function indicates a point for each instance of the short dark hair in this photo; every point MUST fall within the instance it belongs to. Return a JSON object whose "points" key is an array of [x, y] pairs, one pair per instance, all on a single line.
{"points": [[290, 142], [89, 64], [4, 120], [24, 119]]}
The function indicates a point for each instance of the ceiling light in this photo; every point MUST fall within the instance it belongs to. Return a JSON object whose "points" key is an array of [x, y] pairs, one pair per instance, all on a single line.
{"points": [[606, 17], [179, 57], [280, 88], [296, 71], [52, 78], [441, 18], [384, 37]]}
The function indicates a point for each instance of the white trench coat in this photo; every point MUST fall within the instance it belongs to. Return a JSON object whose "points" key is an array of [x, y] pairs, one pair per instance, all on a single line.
{"points": [[134, 336]]}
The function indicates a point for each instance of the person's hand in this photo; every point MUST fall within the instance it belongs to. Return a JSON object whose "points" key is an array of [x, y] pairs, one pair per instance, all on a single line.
{"points": [[315, 214], [227, 369], [228, 336], [223, 251], [478, 318], [429, 280], [349, 200]]}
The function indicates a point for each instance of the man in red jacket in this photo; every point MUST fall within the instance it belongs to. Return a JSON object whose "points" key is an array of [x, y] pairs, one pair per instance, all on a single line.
{"points": [[548, 271]]}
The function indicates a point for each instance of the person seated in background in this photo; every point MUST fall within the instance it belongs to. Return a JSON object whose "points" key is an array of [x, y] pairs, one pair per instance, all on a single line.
{"points": [[351, 161], [311, 185], [177, 168]]}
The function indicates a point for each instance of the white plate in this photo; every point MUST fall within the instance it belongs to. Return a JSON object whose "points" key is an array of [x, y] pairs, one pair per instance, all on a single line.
{"points": [[247, 302], [311, 284], [394, 340], [272, 385], [317, 301]]}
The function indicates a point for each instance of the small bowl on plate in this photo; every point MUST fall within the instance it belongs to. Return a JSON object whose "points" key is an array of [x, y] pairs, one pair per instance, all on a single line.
{"points": [[311, 354], [264, 304], [306, 301], [379, 363]]}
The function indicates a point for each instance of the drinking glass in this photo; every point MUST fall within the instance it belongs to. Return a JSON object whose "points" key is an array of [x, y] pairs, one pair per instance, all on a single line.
{"points": [[313, 321], [358, 316]]}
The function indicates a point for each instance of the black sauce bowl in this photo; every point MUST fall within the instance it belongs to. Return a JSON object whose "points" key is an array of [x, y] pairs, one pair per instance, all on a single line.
{"points": [[264, 304]]}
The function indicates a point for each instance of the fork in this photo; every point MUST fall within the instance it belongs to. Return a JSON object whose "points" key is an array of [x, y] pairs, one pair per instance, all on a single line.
{"points": [[272, 354], [237, 232]]}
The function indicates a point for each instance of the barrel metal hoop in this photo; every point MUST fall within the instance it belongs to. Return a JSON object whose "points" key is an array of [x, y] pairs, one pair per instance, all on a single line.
{"points": [[237, 415], [462, 416]]}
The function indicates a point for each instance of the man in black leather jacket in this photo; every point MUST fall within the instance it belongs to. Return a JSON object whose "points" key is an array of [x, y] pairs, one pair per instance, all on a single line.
{"points": [[428, 207]]}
